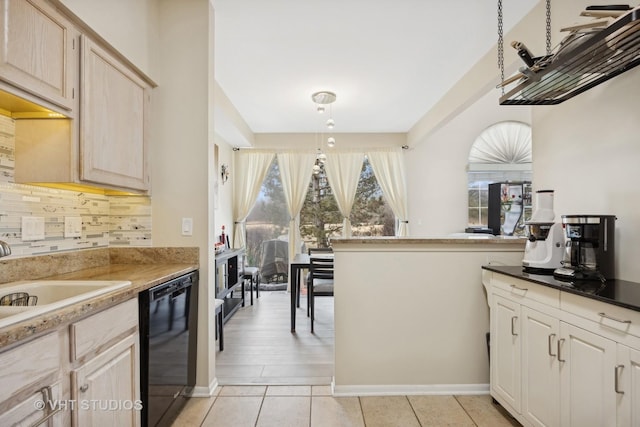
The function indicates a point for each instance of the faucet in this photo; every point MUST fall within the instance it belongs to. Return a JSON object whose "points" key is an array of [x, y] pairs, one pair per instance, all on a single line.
{"points": [[5, 249]]}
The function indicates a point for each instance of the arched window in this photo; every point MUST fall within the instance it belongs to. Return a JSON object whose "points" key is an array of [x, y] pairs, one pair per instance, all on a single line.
{"points": [[501, 153]]}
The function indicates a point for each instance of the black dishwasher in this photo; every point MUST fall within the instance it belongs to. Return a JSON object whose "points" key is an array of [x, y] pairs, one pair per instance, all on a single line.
{"points": [[168, 329]]}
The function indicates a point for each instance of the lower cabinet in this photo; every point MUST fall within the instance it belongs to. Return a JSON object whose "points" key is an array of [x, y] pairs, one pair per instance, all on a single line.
{"points": [[627, 385], [587, 373], [553, 367], [108, 388], [40, 408], [105, 368], [540, 373], [506, 352], [83, 374], [32, 382]]}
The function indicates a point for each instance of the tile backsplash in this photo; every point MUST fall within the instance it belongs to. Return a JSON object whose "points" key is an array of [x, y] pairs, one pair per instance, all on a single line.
{"points": [[106, 220]]}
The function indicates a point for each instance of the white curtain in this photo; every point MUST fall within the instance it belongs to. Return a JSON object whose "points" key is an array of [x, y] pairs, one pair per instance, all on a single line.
{"points": [[295, 172], [343, 171], [388, 167], [250, 169]]}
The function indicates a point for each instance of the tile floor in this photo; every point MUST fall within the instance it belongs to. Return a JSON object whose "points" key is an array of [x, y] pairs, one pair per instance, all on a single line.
{"points": [[313, 406], [271, 377]]}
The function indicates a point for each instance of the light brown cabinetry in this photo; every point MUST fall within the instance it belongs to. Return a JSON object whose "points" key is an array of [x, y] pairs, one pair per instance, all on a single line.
{"points": [[38, 52], [110, 383], [113, 115], [55, 61], [31, 374], [105, 367], [87, 373]]}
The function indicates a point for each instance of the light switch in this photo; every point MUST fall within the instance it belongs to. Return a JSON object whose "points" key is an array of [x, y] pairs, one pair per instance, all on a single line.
{"points": [[187, 226], [72, 226], [32, 228]]}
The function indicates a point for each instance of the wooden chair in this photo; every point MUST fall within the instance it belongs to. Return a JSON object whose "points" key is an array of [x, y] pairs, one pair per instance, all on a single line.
{"points": [[320, 281], [311, 251]]}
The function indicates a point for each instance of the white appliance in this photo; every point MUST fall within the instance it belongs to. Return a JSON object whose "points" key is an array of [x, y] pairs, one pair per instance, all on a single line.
{"points": [[544, 250]]}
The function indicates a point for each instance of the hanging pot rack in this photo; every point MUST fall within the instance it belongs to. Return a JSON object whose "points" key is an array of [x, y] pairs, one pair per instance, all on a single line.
{"points": [[582, 63]]}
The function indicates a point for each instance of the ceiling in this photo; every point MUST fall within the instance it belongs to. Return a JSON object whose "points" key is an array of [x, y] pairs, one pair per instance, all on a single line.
{"points": [[388, 61]]}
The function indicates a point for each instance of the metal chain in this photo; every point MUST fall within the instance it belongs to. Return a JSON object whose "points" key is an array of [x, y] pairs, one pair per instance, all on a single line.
{"points": [[501, 45], [548, 27]]}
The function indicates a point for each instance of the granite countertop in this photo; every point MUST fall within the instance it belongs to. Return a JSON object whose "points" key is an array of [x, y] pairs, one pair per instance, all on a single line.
{"points": [[618, 292], [472, 239], [141, 275]]}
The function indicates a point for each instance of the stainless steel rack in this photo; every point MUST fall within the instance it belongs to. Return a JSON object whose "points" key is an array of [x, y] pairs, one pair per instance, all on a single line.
{"points": [[600, 57]]}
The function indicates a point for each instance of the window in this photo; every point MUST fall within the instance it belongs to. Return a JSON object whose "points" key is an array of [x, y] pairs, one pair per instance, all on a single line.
{"points": [[320, 218], [501, 153], [267, 222]]}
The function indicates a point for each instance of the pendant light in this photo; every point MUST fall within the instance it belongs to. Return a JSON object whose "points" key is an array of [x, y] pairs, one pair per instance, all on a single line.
{"points": [[321, 99]]}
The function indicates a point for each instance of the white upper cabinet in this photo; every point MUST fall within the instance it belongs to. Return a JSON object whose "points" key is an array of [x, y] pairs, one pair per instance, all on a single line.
{"points": [[114, 108], [37, 51]]}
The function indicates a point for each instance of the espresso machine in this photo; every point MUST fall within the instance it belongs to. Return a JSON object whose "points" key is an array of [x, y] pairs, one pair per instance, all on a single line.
{"points": [[589, 251], [544, 250]]}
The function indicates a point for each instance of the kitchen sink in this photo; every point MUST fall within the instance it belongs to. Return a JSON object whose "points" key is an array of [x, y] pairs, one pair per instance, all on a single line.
{"points": [[48, 295]]}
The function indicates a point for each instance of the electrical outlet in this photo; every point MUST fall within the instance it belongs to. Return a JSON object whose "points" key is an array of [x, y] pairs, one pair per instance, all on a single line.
{"points": [[32, 228], [187, 226], [72, 226]]}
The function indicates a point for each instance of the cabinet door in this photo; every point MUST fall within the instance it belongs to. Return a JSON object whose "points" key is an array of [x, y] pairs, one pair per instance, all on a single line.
{"points": [[37, 50], [628, 386], [110, 385], [587, 365], [506, 352], [540, 370], [113, 114]]}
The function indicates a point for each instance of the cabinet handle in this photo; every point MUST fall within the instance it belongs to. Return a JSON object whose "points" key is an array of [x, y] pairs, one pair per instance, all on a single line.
{"points": [[560, 341], [606, 316], [617, 378], [47, 395], [84, 387], [551, 337], [513, 326], [520, 289]]}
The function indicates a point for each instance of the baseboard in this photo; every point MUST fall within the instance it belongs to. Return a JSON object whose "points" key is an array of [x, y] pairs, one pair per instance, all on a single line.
{"points": [[200, 391], [408, 389]]}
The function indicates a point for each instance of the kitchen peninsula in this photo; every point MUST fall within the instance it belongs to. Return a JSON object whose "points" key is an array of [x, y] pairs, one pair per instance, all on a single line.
{"points": [[411, 314]]}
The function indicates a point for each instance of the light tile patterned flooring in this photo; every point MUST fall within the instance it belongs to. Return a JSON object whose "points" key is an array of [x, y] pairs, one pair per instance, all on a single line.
{"points": [[313, 406], [271, 377]]}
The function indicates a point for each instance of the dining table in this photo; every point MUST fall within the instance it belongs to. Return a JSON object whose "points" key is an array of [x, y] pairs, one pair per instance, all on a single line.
{"points": [[299, 263]]}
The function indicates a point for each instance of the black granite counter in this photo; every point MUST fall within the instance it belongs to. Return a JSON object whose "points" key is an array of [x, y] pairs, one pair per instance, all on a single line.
{"points": [[618, 292]]}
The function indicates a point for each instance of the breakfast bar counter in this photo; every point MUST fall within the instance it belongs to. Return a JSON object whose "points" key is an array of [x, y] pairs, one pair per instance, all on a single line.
{"points": [[411, 313]]}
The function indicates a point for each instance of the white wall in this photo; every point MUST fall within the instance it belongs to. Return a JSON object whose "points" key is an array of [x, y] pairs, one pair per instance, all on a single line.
{"points": [[410, 319], [125, 24], [182, 148], [437, 167], [588, 150], [223, 212]]}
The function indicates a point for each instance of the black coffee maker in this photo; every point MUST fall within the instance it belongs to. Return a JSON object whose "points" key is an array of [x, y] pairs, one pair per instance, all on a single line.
{"points": [[589, 250]]}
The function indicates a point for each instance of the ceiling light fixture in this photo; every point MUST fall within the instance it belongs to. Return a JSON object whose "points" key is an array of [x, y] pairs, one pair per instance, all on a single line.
{"points": [[321, 99]]}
